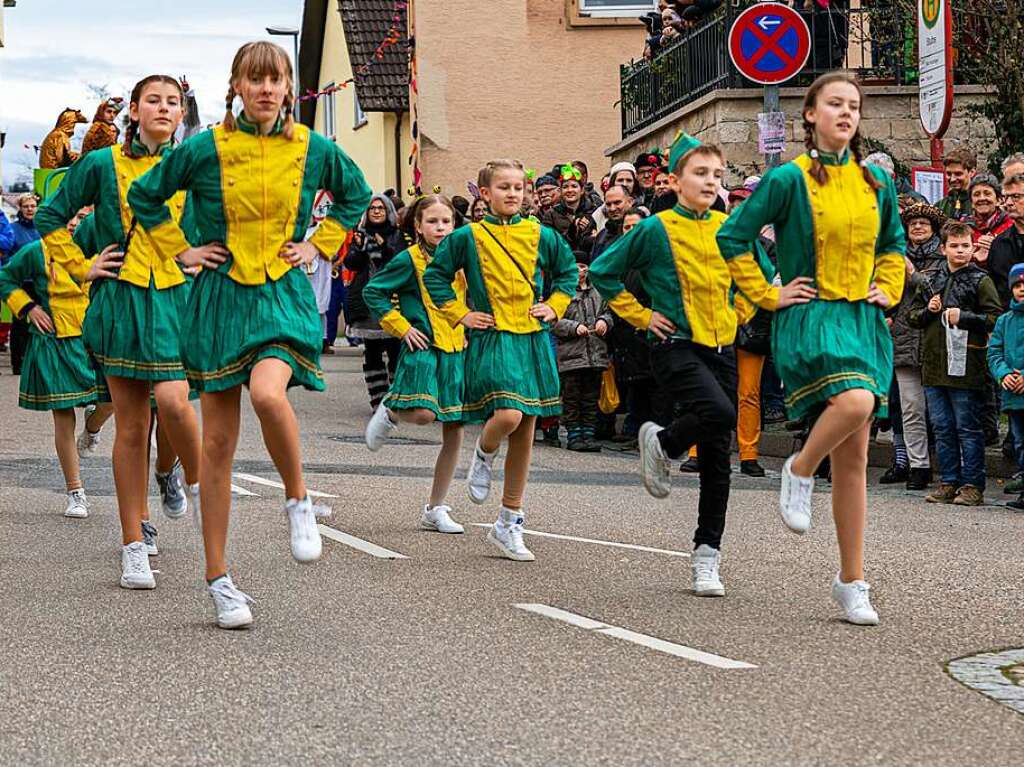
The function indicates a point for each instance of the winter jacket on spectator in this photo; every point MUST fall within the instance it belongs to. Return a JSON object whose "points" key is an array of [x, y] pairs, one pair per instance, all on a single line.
{"points": [[971, 290], [24, 232], [631, 351], [366, 256], [611, 232], [906, 340], [955, 205], [6, 239], [1006, 352], [997, 223], [563, 221], [576, 352], [1007, 249]]}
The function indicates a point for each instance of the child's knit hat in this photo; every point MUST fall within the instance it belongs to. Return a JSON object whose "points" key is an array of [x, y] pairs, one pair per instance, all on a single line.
{"points": [[1016, 274]]}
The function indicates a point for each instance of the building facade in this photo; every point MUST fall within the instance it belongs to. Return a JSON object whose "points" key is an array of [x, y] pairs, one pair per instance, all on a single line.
{"points": [[532, 79]]}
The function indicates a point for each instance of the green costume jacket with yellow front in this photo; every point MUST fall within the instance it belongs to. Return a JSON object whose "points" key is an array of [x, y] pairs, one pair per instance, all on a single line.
{"points": [[133, 322], [56, 373], [102, 179], [505, 262], [253, 193], [677, 258], [846, 237], [428, 378]]}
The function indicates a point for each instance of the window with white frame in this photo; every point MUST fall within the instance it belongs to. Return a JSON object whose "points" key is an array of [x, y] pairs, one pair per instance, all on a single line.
{"points": [[606, 8], [359, 116], [330, 113]]}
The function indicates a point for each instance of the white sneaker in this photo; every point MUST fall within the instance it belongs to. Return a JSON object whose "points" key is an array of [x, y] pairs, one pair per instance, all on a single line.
{"points": [[232, 605], [704, 563], [437, 518], [135, 572], [379, 429], [855, 599], [306, 543], [78, 505], [172, 492], [654, 468], [507, 535], [478, 479], [795, 498], [149, 538]]}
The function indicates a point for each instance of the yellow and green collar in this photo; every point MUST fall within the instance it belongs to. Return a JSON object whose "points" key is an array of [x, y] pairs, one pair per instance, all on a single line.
{"points": [[141, 150], [834, 158], [692, 214], [492, 219], [252, 128]]}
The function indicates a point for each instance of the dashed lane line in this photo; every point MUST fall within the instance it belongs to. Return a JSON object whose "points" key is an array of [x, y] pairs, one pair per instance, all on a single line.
{"points": [[274, 483], [358, 543], [612, 544], [644, 640]]}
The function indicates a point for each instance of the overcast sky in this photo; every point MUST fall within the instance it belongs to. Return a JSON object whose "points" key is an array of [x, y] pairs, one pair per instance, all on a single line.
{"points": [[54, 48]]}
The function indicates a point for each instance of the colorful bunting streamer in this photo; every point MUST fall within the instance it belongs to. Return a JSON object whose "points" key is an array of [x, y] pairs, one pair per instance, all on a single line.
{"points": [[393, 37]]}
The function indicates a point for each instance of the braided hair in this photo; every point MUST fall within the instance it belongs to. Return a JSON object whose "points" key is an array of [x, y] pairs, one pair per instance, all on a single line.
{"points": [[132, 131], [261, 58], [817, 171]]}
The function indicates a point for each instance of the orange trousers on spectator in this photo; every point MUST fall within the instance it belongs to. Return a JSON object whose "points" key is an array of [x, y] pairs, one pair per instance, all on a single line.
{"points": [[748, 414]]}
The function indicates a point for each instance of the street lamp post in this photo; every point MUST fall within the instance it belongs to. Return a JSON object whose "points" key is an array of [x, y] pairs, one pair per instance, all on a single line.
{"points": [[294, 34]]}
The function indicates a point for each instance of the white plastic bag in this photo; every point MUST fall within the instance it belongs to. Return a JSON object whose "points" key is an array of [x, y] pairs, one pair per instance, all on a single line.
{"points": [[956, 349]]}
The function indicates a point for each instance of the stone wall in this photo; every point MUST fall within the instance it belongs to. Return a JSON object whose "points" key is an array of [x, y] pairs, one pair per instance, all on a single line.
{"points": [[729, 118]]}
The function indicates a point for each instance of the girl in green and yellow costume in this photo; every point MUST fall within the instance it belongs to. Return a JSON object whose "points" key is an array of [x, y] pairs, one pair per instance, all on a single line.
{"points": [[251, 318], [132, 326], [428, 380], [510, 370], [131, 329], [840, 254], [56, 374]]}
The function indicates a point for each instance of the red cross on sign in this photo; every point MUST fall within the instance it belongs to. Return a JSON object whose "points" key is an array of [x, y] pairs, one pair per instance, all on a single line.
{"points": [[769, 43]]}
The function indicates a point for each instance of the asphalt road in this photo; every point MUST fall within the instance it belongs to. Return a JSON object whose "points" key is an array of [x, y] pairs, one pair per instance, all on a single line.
{"points": [[427, 660]]}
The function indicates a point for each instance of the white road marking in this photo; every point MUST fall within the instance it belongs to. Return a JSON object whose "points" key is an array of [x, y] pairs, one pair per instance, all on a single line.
{"points": [[274, 483], [653, 643], [238, 490], [358, 543], [613, 544]]}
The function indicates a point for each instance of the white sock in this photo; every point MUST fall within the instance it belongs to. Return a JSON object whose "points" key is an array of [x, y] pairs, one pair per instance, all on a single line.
{"points": [[508, 517]]}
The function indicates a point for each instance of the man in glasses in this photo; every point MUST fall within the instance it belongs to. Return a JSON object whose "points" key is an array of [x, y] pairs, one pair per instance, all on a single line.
{"points": [[1008, 248]]}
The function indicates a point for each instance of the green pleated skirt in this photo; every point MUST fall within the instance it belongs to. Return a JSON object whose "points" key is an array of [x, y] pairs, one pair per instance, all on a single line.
{"points": [[229, 327], [430, 379], [56, 374], [516, 371], [826, 347], [134, 332]]}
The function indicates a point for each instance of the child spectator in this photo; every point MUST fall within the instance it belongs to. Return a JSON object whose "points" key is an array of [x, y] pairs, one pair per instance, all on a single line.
{"points": [[671, 25], [1006, 360], [924, 257], [959, 297], [582, 358]]}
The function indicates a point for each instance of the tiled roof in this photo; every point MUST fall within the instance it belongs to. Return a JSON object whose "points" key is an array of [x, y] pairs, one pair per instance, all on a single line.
{"points": [[385, 86]]}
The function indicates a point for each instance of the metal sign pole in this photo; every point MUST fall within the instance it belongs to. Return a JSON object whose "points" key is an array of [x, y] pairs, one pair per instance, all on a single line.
{"points": [[771, 104]]}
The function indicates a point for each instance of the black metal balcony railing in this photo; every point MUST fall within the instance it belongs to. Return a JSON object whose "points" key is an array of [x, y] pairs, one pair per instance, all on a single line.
{"points": [[878, 43]]}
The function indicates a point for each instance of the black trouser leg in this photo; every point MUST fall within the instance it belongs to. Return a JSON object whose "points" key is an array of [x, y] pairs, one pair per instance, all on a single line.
{"points": [[19, 344], [701, 382], [572, 390], [590, 391]]}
